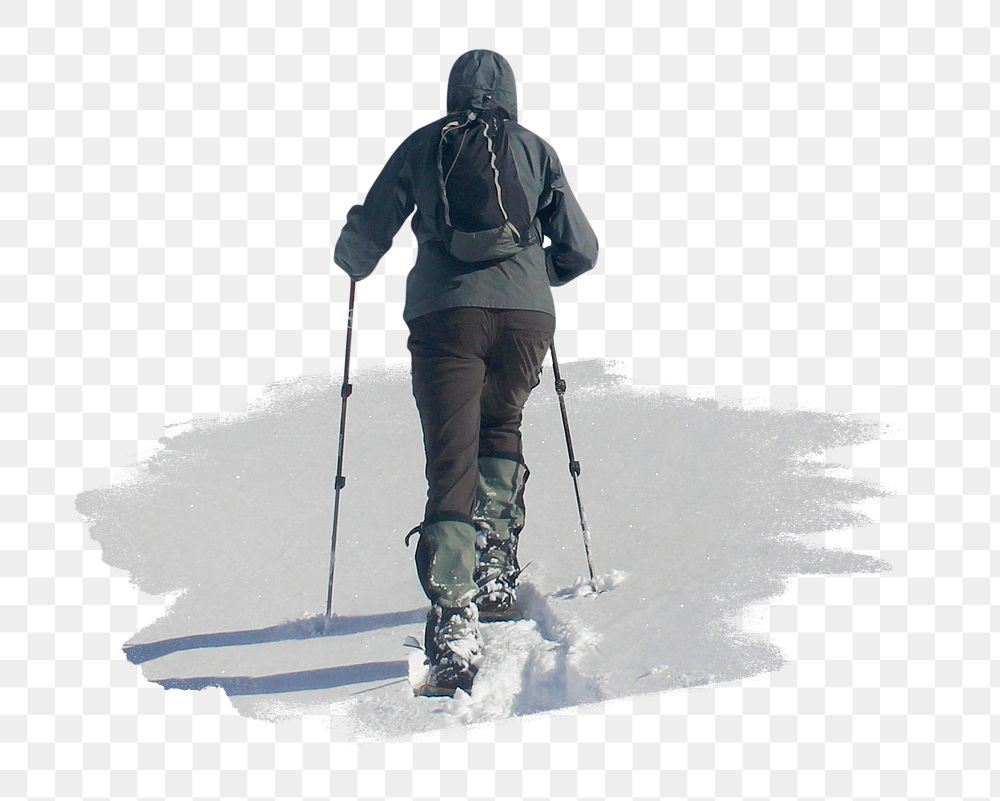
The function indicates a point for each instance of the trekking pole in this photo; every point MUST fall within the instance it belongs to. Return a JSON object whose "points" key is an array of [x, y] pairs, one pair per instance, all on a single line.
{"points": [[574, 465], [345, 391]]}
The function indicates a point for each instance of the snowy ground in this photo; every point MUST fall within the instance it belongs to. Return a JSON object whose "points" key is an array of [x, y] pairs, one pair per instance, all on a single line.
{"points": [[696, 511]]}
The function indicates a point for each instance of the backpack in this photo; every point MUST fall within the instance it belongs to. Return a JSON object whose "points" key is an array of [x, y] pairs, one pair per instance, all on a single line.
{"points": [[482, 209]]}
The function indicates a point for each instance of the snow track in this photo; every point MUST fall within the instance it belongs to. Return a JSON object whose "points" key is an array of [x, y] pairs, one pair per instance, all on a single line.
{"points": [[528, 667]]}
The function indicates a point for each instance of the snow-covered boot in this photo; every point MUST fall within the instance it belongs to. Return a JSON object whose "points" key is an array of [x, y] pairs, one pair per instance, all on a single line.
{"points": [[446, 559], [453, 646], [499, 518]]}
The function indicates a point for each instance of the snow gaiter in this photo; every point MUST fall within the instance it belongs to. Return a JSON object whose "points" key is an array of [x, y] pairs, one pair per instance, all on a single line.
{"points": [[499, 519], [445, 559]]}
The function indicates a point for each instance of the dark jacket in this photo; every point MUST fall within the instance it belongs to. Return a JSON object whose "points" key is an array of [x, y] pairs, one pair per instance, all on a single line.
{"points": [[438, 280]]}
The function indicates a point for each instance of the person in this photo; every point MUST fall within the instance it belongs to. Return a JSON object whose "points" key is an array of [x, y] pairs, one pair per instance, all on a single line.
{"points": [[478, 334]]}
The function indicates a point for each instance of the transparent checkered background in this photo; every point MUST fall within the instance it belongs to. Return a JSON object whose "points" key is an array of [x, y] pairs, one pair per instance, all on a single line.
{"points": [[793, 202]]}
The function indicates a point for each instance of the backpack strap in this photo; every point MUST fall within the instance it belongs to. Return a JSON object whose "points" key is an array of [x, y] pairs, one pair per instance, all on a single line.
{"points": [[450, 127], [496, 179]]}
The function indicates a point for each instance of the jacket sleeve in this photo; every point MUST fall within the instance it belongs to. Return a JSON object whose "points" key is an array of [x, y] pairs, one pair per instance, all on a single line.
{"points": [[370, 227], [574, 244]]}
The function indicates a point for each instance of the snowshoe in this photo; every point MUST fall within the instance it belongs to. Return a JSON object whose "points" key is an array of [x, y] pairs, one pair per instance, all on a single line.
{"points": [[501, 610], [453, 648]]}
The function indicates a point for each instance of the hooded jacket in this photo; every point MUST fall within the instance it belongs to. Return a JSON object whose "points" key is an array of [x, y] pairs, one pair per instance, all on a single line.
{"points": [[408, 180]]}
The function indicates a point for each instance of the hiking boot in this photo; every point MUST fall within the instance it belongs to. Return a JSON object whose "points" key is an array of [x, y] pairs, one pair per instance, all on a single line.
{"points": [[499, 519], [453, 647], [497, 598]]}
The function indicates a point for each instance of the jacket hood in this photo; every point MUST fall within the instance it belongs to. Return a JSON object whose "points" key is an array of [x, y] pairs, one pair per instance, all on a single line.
{"points": [[478, 73]]}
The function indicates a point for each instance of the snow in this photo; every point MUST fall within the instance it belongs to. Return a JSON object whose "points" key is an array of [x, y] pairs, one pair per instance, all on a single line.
{"points": [[696, 513], [586, 586]]}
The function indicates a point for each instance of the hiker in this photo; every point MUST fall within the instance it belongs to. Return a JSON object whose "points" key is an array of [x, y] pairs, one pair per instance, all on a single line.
{"points": [[481, 318]]}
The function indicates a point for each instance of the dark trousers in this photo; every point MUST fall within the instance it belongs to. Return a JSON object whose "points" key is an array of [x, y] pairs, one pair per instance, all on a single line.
{"points": [[472, 370]]}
